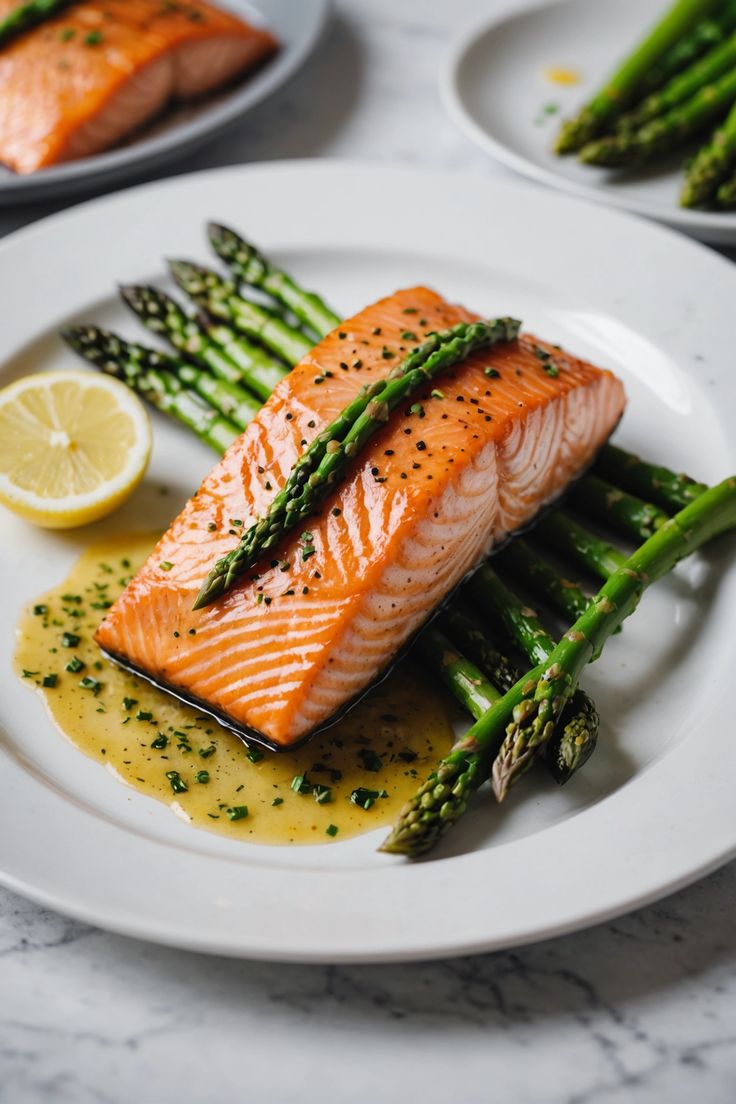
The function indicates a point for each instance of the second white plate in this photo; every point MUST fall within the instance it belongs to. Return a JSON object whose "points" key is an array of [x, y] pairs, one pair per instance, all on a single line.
{"points": [[495, 88]]}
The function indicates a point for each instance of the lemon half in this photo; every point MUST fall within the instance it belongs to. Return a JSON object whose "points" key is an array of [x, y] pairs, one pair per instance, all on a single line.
{"points": [[73, 446]]}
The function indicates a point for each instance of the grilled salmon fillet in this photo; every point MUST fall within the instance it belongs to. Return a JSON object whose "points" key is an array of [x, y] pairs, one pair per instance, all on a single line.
{"points": [[464, 465], [82, 80]]}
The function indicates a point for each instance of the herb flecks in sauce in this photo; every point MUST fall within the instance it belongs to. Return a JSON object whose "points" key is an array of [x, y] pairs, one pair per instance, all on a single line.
{"points": [[205, 774]]}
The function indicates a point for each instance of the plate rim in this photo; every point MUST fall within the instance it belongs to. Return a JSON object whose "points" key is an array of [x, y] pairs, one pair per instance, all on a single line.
{"points": [[706, 226], [124, 161], [407, 950]]}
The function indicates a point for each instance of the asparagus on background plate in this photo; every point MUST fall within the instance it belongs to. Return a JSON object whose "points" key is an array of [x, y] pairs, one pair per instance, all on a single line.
{"points": [[650, 111], [622, 87]]}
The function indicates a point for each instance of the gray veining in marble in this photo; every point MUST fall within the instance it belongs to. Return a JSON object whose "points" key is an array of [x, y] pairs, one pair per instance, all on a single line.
{"points": [[640, 1010]]}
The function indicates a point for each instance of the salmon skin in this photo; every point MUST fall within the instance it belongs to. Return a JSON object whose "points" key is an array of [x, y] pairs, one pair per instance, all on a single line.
{"points": [[470, 461], [82, 80]]}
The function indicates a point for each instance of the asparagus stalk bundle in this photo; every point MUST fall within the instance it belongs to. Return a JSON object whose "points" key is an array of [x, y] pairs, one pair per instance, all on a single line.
{"points": [[150, 377], [134, 364], [325, 461], [512, 731], [682, 87], [578, 731], [28, 15], [711, 165], [574, 739], [666, 133], [220, 298], [251, 267], [705, 35], [623, 86], [217, 348]]}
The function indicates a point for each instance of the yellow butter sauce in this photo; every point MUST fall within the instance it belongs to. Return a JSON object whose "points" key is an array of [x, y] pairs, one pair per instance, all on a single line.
{"points": [[556, 74], [386, 745]]}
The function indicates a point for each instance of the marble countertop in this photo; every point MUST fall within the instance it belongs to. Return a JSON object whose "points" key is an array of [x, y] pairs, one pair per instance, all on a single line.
{"points": [[637, 1010]]}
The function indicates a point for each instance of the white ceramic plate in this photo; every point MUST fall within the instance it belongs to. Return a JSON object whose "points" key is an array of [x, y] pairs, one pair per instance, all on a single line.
{"points": [[653, 809], [297, 26], [494, 87]]}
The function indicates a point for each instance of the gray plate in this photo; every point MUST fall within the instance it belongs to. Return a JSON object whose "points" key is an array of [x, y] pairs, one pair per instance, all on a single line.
{"points": [[298, 25]]}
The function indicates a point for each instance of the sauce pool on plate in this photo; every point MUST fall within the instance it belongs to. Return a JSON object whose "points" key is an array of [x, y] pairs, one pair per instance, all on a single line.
{"points": [[352, 778]]}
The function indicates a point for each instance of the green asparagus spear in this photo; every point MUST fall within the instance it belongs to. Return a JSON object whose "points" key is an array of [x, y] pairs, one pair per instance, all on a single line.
{"points": [[468, 684], [28, 15], [219, 297], [711, 165], [666, 133], [520, 560], [528, 710], [458, 623], [259, 370], [726, 194], [650, 481], [623, 86], [598, 500], [251, 267], [705, 35], [486, 590], [578, 544], [308, 485], [682, 87], [161, 388]]}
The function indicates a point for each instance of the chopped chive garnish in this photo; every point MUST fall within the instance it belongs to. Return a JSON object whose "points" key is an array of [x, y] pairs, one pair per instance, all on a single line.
{"points": [[254, 755], [369, 759], [40, 610], [277, 801], [237, 812], [332, 830], [202, 777], [366, 798], [178, 785], [300, 784], [205, 752], [89, 683], [70, 640], [50, 680], [143, 715], [75, 665], [160, 742], [322, 794]]}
